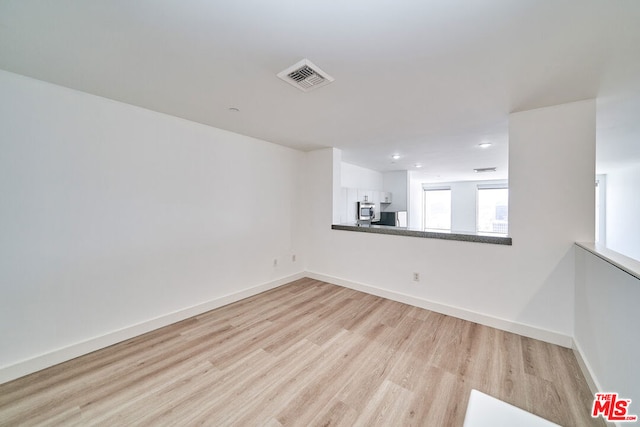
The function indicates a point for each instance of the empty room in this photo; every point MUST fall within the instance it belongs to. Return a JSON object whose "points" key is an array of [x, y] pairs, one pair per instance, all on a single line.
{"points": [[274, 213]]}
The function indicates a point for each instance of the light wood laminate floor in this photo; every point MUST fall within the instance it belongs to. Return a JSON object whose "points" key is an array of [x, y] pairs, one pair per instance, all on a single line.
{"points": [[307, 353]]}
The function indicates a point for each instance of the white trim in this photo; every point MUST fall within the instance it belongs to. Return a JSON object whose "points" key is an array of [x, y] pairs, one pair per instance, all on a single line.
{"points": [[435, 187], [504, 186], [628, 265], [494, 186], [601, 184], [25, 367], [589, 376], [592, 381], [37, 363], [461, 313]]}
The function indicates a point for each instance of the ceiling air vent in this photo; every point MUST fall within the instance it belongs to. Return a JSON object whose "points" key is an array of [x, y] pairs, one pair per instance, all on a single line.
{"points": [[481, 170], [305, 75]]}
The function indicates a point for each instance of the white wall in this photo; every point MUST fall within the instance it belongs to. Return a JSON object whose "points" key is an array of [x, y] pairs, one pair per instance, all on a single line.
{"points": [[463, 206], [527, 287], [606, 325], [623, 211], [320, 167], [112, 215], [353, 176], [551, 205], [396, 183], [415, 209]]}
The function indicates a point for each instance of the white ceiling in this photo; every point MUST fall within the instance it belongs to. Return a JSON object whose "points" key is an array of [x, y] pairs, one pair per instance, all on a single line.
{"points": [[428, 79]]}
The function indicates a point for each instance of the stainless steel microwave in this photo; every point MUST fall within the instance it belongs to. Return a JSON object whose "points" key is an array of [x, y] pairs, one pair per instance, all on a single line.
{"points": [[366, 211]]}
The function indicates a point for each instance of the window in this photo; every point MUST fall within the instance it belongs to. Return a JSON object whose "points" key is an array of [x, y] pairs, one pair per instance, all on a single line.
{"points": [[493, 209], [597, 211], [601, 232], [437, 208]]}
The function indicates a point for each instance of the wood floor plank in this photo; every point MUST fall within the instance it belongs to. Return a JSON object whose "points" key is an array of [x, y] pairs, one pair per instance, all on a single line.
{"points": [[314, 397], [506, 380], [180, 402], [336, 413], [275, 390], [386, 407], [345, 375], [129, 408], [89, 365], [391, 349], [306, 353]]}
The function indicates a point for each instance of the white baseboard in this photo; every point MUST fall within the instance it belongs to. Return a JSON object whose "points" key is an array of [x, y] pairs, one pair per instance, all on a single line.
{"points": [[483, 319], [25, 367], [589, 376], [592, 381]]}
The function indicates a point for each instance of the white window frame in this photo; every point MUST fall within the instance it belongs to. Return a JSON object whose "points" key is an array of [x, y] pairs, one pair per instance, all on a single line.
{"points": [[426, 188], [600, 232], [495, 186]]}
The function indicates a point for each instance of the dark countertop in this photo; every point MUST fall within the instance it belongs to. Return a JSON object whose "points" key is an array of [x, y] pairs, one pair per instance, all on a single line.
{"points": [[496, 239]]}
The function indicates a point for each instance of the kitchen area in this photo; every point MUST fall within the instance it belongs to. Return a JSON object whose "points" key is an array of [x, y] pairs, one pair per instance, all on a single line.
{"points": [[390, 203], [371, 198], [371, 207]]}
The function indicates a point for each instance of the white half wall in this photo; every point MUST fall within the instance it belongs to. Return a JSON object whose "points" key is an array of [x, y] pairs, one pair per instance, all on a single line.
{"points": [[606, 325], [623, 211], [529, 285], [113, 216]]}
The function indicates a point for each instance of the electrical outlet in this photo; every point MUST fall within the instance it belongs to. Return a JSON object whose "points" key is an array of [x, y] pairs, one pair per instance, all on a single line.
{"points": [[275, 262], [293, 258], [416, 277]]}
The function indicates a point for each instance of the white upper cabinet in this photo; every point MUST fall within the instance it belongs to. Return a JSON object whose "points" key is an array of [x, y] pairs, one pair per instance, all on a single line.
{"points": [[365, 196], [349, 197]]}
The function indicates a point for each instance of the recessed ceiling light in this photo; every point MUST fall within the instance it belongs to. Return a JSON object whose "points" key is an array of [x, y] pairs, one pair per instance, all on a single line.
{"points": [[480, 170], [484, 145], [395, 156], [234, 109], [418, 165]]}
